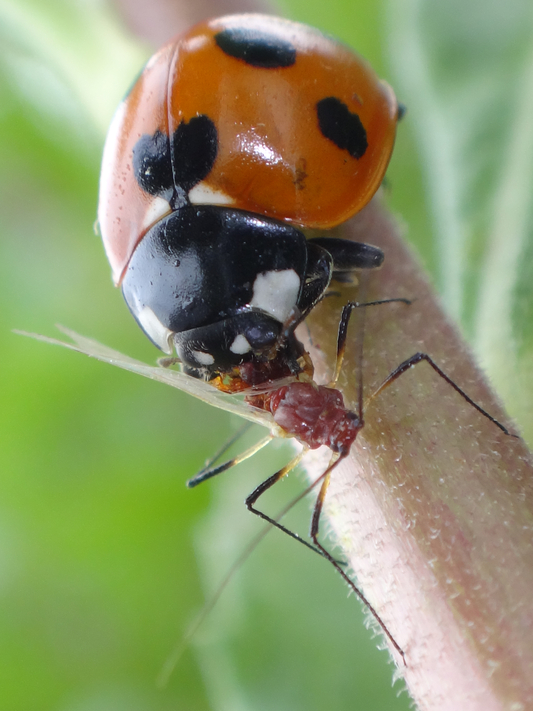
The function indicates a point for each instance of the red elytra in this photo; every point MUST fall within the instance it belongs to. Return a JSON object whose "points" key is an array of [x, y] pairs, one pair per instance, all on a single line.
{"points": [[273, 159]]}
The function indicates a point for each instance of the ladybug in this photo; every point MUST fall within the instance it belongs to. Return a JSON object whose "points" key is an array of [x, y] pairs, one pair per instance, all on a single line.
{"points": [[238, 149], [240, 145]]}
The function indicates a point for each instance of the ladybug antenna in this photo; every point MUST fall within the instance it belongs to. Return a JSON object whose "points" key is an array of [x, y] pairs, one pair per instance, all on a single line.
{"points": [[243, 429]]}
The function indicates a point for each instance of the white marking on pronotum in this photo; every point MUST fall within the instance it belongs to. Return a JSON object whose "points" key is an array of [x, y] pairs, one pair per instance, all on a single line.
{"points": [[202, 194], [240, 345], [276, 293], [203, 358], [158, 333]]}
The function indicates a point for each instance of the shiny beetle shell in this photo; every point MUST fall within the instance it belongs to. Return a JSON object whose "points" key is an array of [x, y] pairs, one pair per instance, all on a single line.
{"points": [[293, 125]]}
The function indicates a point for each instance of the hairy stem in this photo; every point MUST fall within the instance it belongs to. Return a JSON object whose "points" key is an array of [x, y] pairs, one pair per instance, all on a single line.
{"points": [[433, 508]]}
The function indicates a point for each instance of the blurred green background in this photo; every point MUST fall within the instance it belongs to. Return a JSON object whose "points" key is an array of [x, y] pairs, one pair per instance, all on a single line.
{"points": [[105, 557]]}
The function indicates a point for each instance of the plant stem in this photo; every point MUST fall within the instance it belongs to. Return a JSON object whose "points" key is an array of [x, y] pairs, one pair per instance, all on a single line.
{"points": [[434, 507]]}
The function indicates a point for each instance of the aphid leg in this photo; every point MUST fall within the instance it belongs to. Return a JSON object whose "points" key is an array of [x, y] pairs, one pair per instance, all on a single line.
{"points": [[418, 358], [208, 471], [315, 521], [175, 656], [264, 486], [343, 328]]}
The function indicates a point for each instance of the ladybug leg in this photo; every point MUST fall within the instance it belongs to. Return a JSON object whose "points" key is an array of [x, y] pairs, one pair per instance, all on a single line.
{"points": [[318, 276], [418, 358], [168, 362], [331, 257], [402, 110], [348, 256]]}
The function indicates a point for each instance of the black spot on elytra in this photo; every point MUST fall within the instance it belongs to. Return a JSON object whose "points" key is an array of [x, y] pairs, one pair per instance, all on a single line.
{"points": [[194, 149], [259, 49], [340, 125], [162, 166], [151, 163]]}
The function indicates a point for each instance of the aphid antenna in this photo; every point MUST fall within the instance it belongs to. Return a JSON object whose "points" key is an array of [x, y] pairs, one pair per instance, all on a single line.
{"points": [[243, 429], [208, 472]]}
